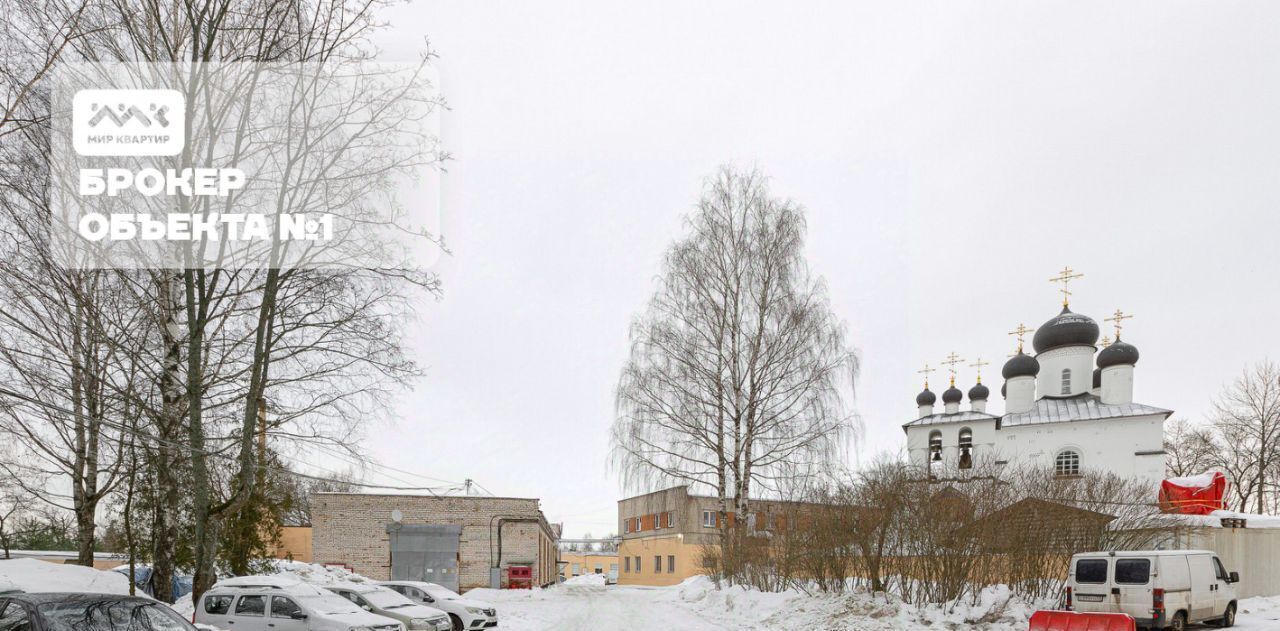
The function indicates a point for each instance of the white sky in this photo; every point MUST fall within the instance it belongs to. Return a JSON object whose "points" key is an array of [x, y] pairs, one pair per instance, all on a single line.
{"points": [[952, 157]]}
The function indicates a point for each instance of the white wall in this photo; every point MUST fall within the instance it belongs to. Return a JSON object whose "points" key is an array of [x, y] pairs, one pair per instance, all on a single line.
{"points": [[984, 440], [1078, 358], [1105, 445]]}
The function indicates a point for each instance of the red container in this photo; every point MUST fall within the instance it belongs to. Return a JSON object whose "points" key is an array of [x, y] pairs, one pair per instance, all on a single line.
{"points": [[1073, 621], [519, 577]]}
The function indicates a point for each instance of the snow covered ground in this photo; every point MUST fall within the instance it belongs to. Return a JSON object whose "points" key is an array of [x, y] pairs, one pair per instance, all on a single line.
{"points": [[696, 605]]}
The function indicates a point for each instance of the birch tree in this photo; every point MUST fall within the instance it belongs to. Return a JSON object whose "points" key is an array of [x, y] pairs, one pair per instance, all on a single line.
{"points": [[739, 373]]}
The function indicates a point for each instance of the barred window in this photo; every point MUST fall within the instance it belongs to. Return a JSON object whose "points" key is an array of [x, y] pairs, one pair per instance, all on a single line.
{"points": [[1067, 463]]}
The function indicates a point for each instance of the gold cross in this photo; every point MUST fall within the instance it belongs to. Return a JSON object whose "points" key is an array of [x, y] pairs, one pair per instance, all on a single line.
{"points": [[1065, 277], [1118, 317], [952, 360], [1106, 341], [925, 371], [1020, 331], [979, 364]]}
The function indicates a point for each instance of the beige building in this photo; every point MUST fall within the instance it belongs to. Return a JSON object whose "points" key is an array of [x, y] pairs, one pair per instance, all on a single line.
{"points": [[459, 542], [665, 533], [294, 544], [578, 563]]}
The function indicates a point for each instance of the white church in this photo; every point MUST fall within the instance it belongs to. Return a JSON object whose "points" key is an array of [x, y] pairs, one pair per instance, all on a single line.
{"points": [[1068, 407]]}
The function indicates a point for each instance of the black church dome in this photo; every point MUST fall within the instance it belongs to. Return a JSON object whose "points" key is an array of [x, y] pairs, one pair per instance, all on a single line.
{"points": [[1065, 329]]}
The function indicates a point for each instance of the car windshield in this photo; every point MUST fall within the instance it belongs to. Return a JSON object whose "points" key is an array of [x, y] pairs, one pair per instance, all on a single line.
{"points": [[385, 599], [443, 593], [111, 614]]}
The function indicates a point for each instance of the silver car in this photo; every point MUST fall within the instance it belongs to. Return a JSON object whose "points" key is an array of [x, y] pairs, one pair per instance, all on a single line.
{"points": [[385, 602]]}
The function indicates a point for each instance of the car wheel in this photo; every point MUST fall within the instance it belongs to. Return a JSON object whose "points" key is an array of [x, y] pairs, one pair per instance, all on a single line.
{"points": [[1179, 622], [1229, 618], [457, 622]]}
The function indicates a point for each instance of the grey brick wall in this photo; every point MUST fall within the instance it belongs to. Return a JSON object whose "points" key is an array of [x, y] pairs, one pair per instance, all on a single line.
{"points": [[351, 529]]}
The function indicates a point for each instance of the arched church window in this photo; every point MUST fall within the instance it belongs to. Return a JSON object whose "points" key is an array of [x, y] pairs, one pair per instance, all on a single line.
{"points": [[935, 446], [1067, 463], [1066, 381], [966, 448]]}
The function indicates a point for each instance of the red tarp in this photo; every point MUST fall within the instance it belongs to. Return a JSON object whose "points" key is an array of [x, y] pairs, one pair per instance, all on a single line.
{"points": [[1072, 621], [1196, 495]]}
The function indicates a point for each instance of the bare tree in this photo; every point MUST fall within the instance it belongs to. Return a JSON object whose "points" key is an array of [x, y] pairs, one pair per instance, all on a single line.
{"points": [[1188, 449], [209, 359], [739, 373], [1246, 428]]}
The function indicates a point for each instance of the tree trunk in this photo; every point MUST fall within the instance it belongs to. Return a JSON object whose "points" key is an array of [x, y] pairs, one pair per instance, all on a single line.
{"points": [[164, 530]]}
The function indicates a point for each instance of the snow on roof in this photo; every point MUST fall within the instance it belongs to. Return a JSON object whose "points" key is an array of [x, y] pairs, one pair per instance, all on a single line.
{"points": [[1214, 519], [286, 583], [1083, 407], [33, 576]]}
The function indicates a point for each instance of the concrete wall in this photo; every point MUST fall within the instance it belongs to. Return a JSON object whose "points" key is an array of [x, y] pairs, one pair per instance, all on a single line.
{"points": [[350, 529], [1253, 552]]}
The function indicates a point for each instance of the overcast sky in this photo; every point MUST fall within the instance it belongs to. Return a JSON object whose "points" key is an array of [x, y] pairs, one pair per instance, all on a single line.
{"points": [[951, 156]]}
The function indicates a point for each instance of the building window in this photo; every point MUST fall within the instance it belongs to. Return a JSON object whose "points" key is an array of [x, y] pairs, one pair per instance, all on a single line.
{"points": [[708, 519], [627, 565], [671, 564], [657, 564], [1066, 381], [637, 564], [1067, 463], [966, 448]]}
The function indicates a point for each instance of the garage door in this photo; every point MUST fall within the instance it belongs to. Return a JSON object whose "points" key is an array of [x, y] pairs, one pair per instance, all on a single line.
{"points": [[425, 553]]}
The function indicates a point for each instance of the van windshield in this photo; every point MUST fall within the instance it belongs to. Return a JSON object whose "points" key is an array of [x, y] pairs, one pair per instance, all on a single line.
{"points": [[1133, 571], [1091, 571]]}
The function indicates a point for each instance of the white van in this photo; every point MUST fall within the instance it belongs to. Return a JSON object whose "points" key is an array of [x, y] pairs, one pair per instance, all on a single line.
{"points": [[268, 603], [1161, 589]]}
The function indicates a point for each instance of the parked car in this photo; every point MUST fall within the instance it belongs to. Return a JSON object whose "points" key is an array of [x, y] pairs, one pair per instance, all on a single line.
{"points": [[268, 603], [77, 612], [392, 604], [1164, 589], [466, 613]]}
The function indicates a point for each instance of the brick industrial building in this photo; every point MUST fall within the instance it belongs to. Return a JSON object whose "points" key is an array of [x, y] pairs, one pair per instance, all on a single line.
{"points": [[665, 533], [458, 542]]}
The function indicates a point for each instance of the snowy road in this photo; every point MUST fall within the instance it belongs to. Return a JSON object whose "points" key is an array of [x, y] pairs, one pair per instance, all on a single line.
{"points": [[699, 607], [613, 608]]}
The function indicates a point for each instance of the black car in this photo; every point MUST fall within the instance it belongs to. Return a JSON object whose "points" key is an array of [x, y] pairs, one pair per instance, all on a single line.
{"points": [[87, 612]]}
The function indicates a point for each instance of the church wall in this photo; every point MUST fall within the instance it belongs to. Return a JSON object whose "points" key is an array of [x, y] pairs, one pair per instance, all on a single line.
{"points": [[1106, 445], [984, 441], [1077, 359]]}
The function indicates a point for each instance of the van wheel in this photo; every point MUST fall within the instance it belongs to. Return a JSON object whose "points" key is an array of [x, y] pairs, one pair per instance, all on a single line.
{"points": [[457, 622], [1179, 622], [1229, 618]]}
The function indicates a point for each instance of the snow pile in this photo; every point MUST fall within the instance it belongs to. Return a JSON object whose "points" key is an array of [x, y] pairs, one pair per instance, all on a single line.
{"points": [[32, 575], [316, 574], [588, 581], [1262, 612]]}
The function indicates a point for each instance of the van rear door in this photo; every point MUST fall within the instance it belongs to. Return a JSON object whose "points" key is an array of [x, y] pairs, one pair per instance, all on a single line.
{"points": [[1092, 588], [1132, 578]]}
